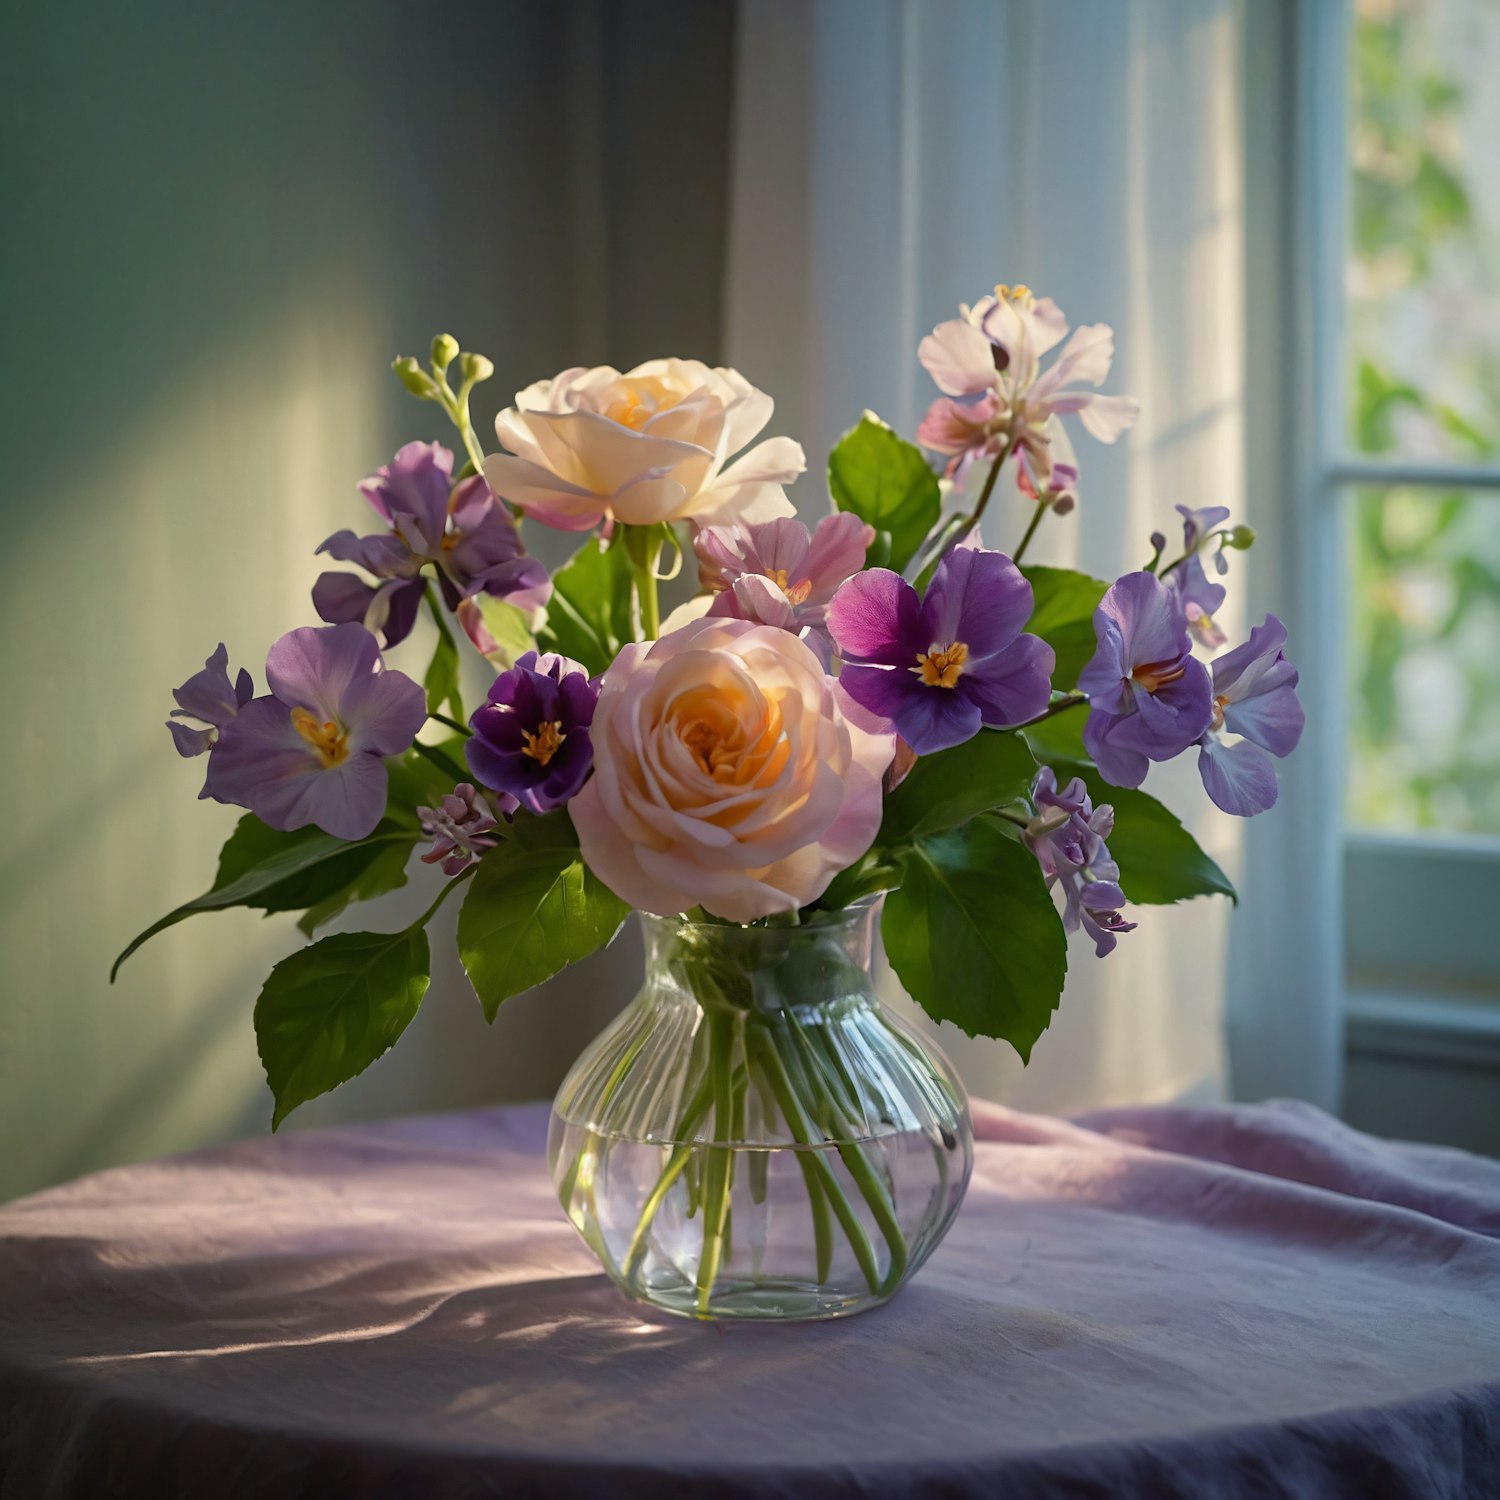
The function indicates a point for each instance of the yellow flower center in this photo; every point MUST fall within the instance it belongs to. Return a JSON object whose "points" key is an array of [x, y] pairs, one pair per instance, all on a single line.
{"points": [[735, 741], [545, 743], [1154, 676], [1218, 718], [1020, 292], [637, 401], [331, 742], [795, 593], [942, 667]]}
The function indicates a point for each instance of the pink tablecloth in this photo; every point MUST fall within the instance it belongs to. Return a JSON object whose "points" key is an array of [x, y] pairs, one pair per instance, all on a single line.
{"points": [[1150, 1302]]}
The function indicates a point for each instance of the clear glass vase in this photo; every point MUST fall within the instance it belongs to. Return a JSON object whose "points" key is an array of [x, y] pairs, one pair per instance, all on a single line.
{"points": [[756, 1135]]}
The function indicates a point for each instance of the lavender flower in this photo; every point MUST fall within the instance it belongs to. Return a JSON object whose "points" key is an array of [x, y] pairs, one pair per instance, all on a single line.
{"points": [[1148, 698], [939, 667], [208, 697], [779, 573], [312, 751], [1067, 836], [464, 532], [1254, 695], [458, 826], [1200, 598], [531, 737]]}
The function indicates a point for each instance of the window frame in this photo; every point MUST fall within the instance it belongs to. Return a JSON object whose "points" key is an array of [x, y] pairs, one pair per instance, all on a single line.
{"points": [[1417, 959]]}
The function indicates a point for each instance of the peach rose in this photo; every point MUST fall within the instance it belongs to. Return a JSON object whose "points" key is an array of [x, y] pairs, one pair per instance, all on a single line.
{"points": [[729, 771], [647, 446]]}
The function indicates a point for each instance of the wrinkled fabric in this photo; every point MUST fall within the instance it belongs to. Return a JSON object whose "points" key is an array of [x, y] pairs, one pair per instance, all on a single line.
{"points": [[1144, 1302]]}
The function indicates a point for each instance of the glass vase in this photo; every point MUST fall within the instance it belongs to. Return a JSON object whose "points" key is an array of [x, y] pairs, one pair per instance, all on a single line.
{"points": [[756, 1135]]}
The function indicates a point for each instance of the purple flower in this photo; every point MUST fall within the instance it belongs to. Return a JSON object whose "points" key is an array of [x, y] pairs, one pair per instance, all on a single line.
{"points": [[531, 738], [464, 532], [313, 750], [458, 826], [1148, 698], [1255, 695], [208, 697], [779, 573], [1200, 598], [939, 667], [1067, 836]]}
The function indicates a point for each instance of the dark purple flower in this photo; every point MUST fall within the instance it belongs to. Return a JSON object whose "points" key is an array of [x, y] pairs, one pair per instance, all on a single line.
{"points": [[779, 573], [1201, 599], [531, 738], [313, 750], [1067, 836], [1255, 695], [208, 697], [939, 667], [1148, 698], [464, 532], [458, 826]]}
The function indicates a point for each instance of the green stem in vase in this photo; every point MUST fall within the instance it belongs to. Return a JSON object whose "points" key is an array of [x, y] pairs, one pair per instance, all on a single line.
{"points": [[718, 1171], [802, 1132], [677, 1163]]}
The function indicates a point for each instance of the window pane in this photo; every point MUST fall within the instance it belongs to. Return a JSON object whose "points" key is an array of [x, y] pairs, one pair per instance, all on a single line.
{"points": [[1423, 268], [1424, 698]]}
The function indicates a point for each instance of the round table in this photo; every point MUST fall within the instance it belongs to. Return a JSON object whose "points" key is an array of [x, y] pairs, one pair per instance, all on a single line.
{"points": [[1152, 1302]]}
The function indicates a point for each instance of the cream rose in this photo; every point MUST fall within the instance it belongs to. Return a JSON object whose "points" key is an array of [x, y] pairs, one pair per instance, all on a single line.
{"points": [[729, 771], [647, 446]]}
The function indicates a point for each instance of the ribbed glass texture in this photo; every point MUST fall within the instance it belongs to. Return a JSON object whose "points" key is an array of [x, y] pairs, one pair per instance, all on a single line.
{"points": [[756, 1136]]}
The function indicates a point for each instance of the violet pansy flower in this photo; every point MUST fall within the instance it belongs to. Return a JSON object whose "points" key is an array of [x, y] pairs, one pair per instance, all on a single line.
{"points": [[940, 667], [1254, 695], [1149, 699], [779, 573], [457, 827], [312, 750], [1067, 836], [1201, 598], [208, 697], [464, 531], [531, 737]]}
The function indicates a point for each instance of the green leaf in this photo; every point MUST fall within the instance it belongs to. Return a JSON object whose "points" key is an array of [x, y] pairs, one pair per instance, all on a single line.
{"points": [[385, 873], [274, 871], [886, 481], [1060, 737], [1160, 861], [588, 617], [327, 1012], [1063, 616], [441, 680], [974, 937], [510, 627], [948, 788], [533, 908], [420, 776]]}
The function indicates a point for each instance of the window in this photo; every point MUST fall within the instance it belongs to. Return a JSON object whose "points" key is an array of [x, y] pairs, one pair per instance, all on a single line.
{"points": [[1410, 464]]}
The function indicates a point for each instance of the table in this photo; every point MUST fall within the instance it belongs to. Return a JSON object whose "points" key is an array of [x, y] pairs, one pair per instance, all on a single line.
{"points": [[1148, 1302]]}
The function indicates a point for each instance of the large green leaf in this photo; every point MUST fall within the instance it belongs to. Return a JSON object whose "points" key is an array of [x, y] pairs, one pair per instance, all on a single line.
{"points": [[886, 481], [1063, 616], [588, 616], [533, 908], [1059, 737], [385, 873], [1160, 861], [973, 935], [948, 788], [510, 627], [274, 871], [327, 1012]]}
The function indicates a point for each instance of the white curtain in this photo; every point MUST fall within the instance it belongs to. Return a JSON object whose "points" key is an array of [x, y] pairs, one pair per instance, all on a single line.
{"points": [[893, 157]]}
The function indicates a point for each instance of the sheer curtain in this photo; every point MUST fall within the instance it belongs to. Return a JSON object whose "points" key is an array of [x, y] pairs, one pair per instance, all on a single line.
{"points": [[893, 157]]}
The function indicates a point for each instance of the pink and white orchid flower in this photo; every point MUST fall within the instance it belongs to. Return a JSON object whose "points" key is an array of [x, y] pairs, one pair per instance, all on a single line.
{"points": [[990, 358]]}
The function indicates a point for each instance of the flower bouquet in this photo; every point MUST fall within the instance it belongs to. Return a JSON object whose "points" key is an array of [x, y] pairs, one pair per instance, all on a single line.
{"points": [[877, 721]]}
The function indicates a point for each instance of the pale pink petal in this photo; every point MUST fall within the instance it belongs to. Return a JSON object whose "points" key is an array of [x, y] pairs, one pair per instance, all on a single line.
{"points": [[959, 358]]}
